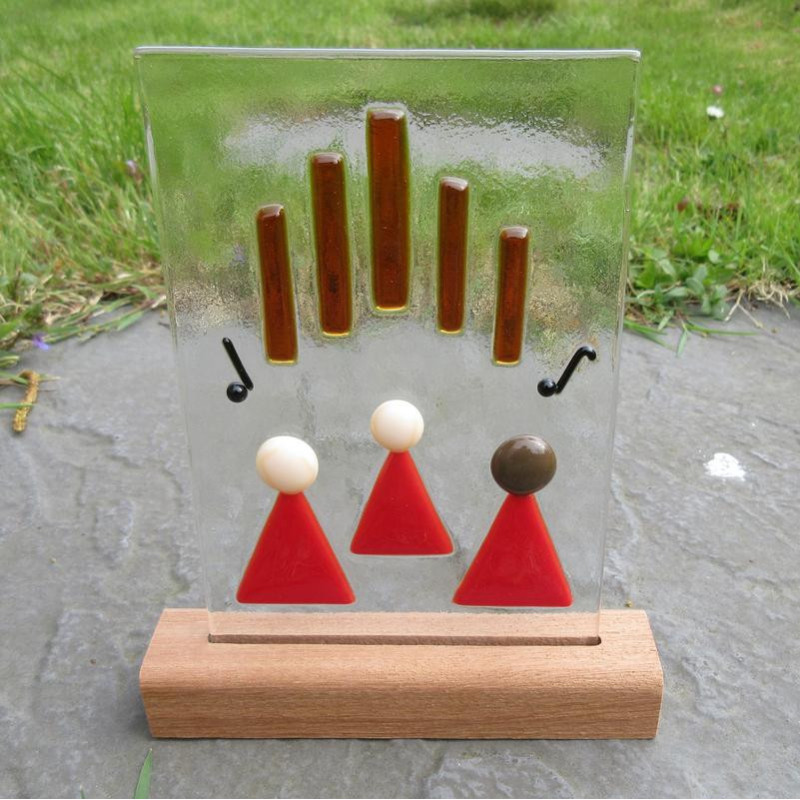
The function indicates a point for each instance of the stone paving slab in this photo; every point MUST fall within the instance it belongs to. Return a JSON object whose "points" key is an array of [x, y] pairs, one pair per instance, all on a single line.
{"points": [[95, 539]]}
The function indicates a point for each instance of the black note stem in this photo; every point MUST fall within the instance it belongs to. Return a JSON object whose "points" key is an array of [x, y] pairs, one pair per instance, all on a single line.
{"points": [[237, 362], [548, 387]]}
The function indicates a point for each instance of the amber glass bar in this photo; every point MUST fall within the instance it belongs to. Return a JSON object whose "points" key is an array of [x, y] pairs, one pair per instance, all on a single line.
{"points": [[453, 209], [509, 321], [387, 145], [277, 296], [331, 243]]}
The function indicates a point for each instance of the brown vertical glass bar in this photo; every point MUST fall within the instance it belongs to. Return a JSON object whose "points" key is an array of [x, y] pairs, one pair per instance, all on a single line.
{"points": [[277, 297], [509, 321], [453, 207], [331, 242], [387, 146]]}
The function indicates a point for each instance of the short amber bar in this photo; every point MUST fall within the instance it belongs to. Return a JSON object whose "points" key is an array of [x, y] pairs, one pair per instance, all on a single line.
{"points": [[277, 296], [453, 210], [387, 147], [331, 243], [509, 321]]}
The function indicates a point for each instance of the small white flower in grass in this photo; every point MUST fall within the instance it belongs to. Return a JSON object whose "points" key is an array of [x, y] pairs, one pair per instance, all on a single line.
{"points": [[715, 112]]}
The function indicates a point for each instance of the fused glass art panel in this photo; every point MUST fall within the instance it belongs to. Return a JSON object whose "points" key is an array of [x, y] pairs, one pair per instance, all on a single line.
{"points": [[396, 288]]}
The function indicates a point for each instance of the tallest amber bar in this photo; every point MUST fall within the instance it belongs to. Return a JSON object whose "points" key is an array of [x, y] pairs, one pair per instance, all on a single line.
{"points": [[387, 145]]}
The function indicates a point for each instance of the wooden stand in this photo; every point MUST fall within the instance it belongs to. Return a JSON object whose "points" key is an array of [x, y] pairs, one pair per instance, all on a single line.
{"points": [[407, 676]]}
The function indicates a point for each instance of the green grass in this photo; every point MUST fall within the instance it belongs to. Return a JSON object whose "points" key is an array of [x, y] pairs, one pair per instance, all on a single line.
{"points": [[716, 203], [143, 783], [142, 790]]}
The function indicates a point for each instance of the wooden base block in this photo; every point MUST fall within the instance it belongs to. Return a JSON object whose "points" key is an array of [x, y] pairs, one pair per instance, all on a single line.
{"points": [[195, 688]]}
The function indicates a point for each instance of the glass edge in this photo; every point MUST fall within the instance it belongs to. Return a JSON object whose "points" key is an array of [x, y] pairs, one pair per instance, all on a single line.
{"points": [[421, 54], [366, 53]]}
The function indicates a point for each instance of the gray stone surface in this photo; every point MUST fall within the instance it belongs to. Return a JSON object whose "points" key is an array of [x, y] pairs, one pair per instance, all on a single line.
{"points": [[95, 539]]}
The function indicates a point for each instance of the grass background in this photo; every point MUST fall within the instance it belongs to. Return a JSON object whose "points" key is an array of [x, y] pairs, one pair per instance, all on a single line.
{"points": [[716, 202]]}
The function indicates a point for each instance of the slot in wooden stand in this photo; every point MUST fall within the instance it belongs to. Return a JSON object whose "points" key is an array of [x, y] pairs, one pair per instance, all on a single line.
{"points": [[319, 678]]}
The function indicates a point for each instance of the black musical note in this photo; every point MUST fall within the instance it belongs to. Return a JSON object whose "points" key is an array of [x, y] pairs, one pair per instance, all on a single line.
{"points": [[237, 392], [548, 387]]}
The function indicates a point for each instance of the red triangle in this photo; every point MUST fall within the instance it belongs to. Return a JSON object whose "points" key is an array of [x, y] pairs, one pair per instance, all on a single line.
{"points": [[517, 564], [399, 518], [293, 561]]}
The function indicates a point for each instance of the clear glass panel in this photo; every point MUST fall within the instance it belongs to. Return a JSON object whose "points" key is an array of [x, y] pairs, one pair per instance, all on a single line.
{"points": [[514, 262]]}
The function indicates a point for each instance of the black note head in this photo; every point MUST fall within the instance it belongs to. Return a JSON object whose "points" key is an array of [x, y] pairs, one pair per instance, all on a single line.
{"points": [[547, 387], [236, 392]]}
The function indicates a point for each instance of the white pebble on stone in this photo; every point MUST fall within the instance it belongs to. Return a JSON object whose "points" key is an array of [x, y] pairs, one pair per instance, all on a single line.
{"points": [[724, 465], [397, 425], [287, 464]]}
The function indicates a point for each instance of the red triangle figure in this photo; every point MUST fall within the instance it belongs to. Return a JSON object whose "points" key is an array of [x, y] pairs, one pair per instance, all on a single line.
{"points": [[517, 564], [293, 561], [399, 518]]}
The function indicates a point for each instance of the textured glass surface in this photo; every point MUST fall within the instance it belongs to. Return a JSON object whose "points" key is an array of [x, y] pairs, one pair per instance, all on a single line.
{"points": [[544, 141]]}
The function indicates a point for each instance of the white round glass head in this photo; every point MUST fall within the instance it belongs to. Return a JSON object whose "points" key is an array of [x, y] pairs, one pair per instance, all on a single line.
{"points": [[397, 425], [287, 464]]}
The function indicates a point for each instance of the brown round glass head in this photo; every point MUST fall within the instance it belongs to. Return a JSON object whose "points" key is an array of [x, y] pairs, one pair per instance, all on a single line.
{"points": [[523, 464]]}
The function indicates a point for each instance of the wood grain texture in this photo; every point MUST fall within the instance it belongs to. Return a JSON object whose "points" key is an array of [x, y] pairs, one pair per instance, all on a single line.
{"points": [[193, 688], [358, 627]]}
